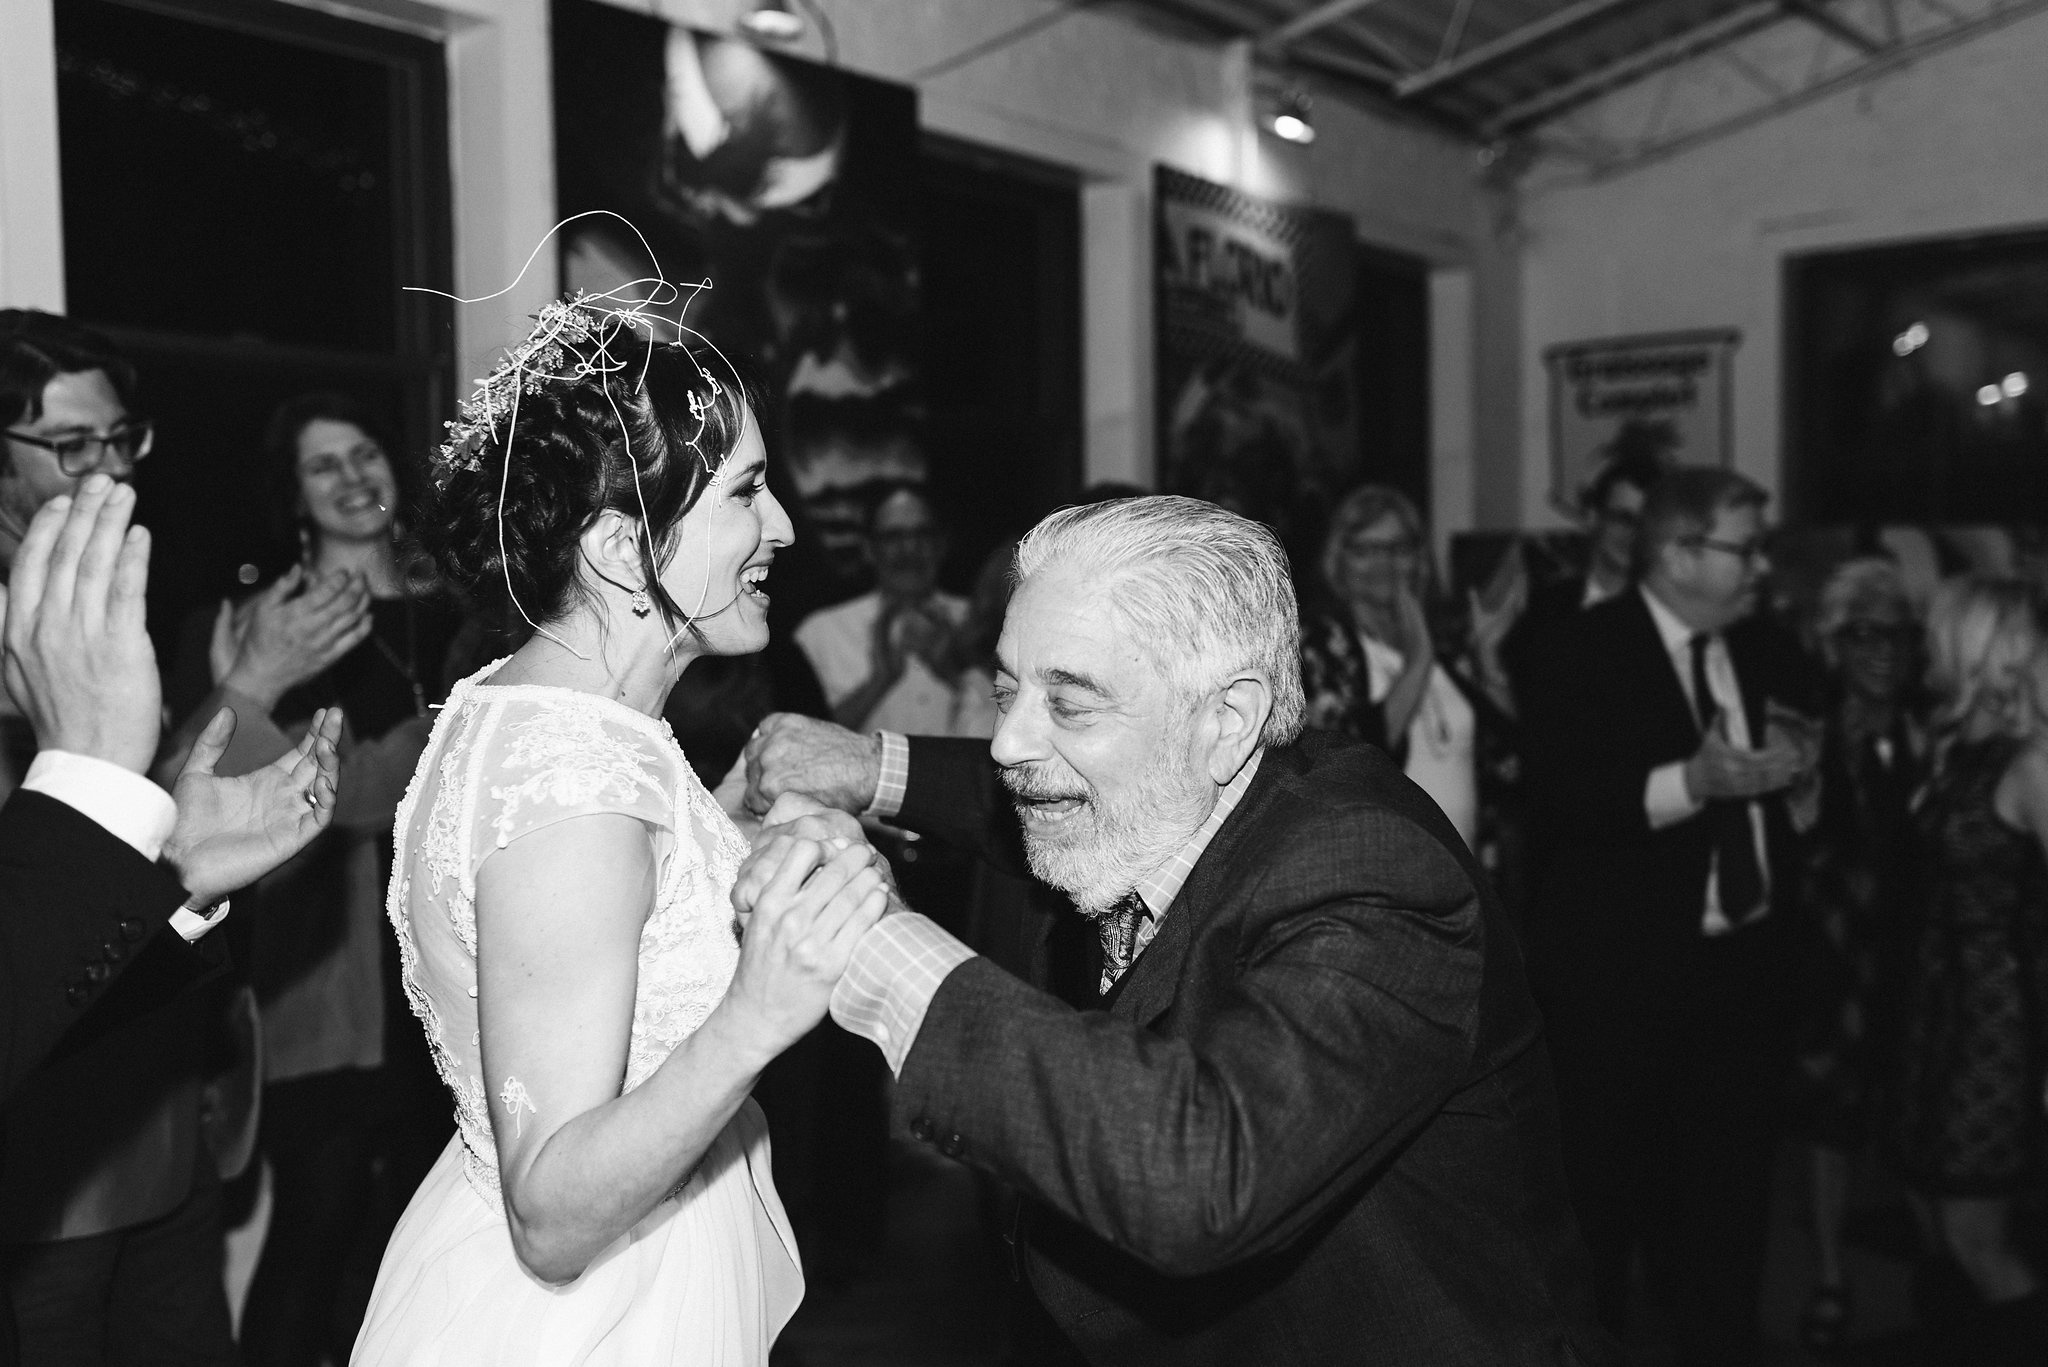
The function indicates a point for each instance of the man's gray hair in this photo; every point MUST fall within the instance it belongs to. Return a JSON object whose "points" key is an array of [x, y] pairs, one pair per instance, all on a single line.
{"points": [[1205, 593]]}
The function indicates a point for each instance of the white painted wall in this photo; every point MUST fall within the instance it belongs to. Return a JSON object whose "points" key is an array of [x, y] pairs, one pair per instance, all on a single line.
{"points": [[1952, 144]]}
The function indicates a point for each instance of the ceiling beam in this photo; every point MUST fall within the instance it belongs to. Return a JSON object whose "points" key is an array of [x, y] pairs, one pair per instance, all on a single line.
{"points": [[1322, 16], [1816, 13], [1642, 62], [1508, 44]]}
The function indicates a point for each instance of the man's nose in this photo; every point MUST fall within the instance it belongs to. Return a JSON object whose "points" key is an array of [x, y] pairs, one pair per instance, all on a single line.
{"points": [[1016, 740]]}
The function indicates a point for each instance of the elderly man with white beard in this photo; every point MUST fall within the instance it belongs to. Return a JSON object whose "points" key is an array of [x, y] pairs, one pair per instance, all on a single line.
{"points": [[1303, 1112]]}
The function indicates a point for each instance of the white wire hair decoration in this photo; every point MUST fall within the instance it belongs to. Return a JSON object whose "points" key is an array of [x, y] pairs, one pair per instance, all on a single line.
{"points": [[573, 339]]}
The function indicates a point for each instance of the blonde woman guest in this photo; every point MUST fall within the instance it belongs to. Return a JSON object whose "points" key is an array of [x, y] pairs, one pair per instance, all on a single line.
{"points": [[1969, 1129], [1370, 663]]}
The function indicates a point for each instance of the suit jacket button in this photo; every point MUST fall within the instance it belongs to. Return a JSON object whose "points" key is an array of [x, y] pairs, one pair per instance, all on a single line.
{"points": [[78, 994], [96, 973], [132, 929], [112, 950], [951, 1146], [921, 1128]]}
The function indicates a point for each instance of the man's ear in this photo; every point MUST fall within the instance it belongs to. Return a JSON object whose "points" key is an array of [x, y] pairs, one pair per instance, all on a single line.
{"points": [[1238, 718]]}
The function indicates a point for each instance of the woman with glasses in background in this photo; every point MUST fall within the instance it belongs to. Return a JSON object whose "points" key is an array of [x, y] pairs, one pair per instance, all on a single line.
{"points": [[1371, 666], [1859, 890], [1969, 1131]]}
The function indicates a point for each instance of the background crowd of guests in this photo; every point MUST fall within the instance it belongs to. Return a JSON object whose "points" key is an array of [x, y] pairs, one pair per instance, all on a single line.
{"points": [[1773, 878]]}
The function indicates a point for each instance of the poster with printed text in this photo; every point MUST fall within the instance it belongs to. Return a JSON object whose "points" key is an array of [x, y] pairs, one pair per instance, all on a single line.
{"points": [[1256, 363], [1668, 395]]}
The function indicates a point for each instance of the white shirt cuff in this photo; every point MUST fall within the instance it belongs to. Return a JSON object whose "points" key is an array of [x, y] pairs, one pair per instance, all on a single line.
{"points": [[191, 925], [894, 780], [1666, 799], [891, 980], [127, 804]]}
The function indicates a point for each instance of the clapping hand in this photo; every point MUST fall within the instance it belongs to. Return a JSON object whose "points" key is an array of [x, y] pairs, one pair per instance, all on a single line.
{"points": [[1722, 769], [78, 659], [232, 831], [288, 633]]}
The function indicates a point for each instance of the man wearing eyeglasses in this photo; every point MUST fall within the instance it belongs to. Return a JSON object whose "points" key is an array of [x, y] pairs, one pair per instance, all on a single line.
{"points": [[64, 395], [1665, 736]]}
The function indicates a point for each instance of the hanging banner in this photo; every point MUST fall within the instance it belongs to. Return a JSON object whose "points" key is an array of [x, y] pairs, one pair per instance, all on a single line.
{"points": [[1669, 395], [1257, 388], [792, 188]]}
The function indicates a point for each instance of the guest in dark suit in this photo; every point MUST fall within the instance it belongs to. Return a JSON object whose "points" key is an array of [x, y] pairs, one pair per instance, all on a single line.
{"points": [[1664, 734], [84, 900], [1307, 1117], [108, 1199]]}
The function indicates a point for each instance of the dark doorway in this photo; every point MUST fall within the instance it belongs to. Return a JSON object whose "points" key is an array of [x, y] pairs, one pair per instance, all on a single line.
{"points": [[1393, 372], [1001, 263], [1916, 382], [247, 189]]}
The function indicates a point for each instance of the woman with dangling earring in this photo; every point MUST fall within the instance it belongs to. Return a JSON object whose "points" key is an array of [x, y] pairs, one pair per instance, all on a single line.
{"points": [[352, 1114]]}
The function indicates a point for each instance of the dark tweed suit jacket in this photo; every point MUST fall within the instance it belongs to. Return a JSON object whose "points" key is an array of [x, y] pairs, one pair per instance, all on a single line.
{"points": [[80, 910], [1315, 1123]]}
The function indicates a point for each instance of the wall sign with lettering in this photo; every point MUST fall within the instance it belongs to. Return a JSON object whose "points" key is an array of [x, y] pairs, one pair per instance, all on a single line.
{"points": [[1257, 350], [1670, 395]]}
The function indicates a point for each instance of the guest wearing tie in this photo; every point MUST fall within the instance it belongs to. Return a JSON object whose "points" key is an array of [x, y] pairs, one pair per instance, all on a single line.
{"points": [[1668, 758]]}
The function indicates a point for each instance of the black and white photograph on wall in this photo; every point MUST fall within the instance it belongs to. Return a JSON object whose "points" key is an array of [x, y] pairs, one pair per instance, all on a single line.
{"points": [[791, 187]]}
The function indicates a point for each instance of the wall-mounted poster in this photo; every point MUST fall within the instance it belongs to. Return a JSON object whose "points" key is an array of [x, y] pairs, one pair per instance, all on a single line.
{"points": [[1257, 384], [792, 187], [1669, 394]]}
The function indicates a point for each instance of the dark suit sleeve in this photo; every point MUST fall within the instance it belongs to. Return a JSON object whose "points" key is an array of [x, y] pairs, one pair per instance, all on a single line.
{"points": [[80, 911], [1349, 1017], [953, 796]]}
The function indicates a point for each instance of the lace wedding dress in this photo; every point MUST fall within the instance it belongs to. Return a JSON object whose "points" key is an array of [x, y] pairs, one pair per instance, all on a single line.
{"points": [[711, 1275]]}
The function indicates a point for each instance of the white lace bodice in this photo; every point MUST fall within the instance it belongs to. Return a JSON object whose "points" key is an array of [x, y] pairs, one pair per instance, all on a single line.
{"points": [[504, 761]]}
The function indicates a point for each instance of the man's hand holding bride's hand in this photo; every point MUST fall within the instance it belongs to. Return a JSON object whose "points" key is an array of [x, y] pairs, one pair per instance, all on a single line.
{"points": [[790, 753], [808, 906], [796, 817]]}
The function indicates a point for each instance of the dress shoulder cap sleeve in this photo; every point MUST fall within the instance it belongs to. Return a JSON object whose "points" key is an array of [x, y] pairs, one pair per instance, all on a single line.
{"points": [[549, 758]]}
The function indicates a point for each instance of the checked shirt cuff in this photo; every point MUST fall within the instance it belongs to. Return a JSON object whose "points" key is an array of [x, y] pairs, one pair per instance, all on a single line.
{"points": [[890, 982], [894, 779]]}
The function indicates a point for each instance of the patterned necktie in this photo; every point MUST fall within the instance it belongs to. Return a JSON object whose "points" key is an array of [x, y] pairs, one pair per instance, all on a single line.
{"points": [[1119, 927], [1741, 877]]}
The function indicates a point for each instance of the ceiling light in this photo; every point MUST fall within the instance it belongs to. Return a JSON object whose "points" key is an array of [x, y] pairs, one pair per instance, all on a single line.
{"points": [[1989, 395], [1284, 110], [772, 22], [1911, 340], [2014, 385]]}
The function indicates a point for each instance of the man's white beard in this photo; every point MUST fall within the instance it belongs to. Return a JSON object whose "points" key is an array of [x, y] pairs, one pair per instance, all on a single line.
{"points": [[1100, 852]]}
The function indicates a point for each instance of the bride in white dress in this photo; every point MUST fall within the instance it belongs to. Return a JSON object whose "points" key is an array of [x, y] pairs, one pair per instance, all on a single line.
{"points": [[561, 883]]}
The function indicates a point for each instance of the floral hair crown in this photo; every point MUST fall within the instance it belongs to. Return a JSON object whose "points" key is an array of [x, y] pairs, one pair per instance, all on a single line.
{"points": [[572, 339]]}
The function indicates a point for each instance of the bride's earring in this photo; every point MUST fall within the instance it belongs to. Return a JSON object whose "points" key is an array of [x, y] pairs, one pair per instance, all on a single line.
{"points": [[640, 603]]}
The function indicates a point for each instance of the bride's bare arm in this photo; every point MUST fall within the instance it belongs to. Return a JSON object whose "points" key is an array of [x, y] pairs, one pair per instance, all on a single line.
{"points": [[559, 915]]}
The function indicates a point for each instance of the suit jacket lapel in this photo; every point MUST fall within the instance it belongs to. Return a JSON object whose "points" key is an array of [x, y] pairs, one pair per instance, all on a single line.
{"points": [[1148, 987], [1676, 715]]}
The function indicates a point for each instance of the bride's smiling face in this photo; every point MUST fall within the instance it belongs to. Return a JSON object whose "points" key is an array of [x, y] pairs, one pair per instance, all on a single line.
{"points": [[718, 572]]}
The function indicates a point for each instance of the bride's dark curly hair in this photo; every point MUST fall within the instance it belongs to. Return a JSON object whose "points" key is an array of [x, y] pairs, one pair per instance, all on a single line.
{"points": [[569, 463]]}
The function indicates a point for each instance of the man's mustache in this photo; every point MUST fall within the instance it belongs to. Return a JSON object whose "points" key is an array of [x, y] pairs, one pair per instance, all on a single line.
{"points": [[1027, 786]]}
